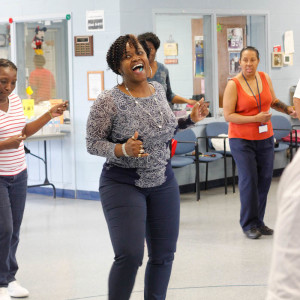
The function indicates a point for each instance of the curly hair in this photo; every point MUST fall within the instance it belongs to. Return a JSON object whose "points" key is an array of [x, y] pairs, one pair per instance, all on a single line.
{"points": [[149, 37], [5, 63], [251, 48], [117, 50]]}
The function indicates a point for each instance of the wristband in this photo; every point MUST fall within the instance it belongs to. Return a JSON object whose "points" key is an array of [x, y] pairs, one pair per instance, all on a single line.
{"points": [[50, 114], [124, 150]]}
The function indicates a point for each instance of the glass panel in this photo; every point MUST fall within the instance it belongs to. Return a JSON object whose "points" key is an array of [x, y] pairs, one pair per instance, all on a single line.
{"points": [[5, 41], [42, 60], [191, 70], [234, 33]]}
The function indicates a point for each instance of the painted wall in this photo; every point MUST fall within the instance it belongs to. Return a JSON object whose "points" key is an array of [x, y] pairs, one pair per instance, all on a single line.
{"points": [[79, 170], [70, 166]]}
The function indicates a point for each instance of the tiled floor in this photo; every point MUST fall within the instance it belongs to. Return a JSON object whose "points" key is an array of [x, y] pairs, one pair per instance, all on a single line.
{"points": [[65, 251]]}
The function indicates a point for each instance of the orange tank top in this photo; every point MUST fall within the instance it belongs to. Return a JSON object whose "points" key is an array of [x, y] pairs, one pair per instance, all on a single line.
{"points": [[247, 106]]}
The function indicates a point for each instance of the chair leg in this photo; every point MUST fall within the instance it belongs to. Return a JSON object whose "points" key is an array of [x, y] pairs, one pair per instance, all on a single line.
{"points": [[225, 174], [206, 176], [233, 175], [197, 181]]}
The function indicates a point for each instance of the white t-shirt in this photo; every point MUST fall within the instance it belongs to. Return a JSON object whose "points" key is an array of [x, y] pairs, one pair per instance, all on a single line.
{"points": [[297, 91], [12, 122], [284, 278]]}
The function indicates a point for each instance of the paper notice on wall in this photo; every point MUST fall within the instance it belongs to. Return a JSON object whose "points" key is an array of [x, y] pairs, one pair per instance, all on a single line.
{"points": [[289, 42], [95, 20]]}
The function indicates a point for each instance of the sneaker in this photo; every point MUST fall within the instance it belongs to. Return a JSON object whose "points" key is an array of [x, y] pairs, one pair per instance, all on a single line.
{"points": [[4, 295], [16, 290], [252, 233], [265, 230]]}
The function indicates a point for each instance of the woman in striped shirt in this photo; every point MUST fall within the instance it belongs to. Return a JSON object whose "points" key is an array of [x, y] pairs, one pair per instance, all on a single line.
{"points": [[13, 174]]}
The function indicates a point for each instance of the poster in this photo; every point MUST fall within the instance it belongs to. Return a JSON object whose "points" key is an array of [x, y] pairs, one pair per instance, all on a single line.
{"points": [[199, 59], [95, 20], [234, 65], [235, 39]]}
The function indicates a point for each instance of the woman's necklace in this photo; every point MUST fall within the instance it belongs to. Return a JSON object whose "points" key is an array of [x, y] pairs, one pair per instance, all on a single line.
{"points": [[148, 113]]}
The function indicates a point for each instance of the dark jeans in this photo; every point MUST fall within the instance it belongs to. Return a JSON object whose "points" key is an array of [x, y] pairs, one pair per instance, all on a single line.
{"points": [[13, 190], [132, 214], [254, 160]]}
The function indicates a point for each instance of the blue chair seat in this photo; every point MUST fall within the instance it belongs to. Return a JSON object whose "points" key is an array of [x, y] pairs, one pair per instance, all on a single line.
{"points": [[281, 147], [209, 158], [181, 161]]}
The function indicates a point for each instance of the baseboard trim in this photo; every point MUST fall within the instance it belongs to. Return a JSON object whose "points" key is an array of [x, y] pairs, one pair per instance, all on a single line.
{"points": [[91, 195]]}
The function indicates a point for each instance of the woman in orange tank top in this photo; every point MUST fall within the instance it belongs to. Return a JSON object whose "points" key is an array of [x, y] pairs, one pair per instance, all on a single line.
{"points": [[247, 100]]}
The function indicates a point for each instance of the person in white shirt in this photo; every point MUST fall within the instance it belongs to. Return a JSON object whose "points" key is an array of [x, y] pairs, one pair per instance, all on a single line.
{"points": [[296, 99], [13, 175], [284, 277]]}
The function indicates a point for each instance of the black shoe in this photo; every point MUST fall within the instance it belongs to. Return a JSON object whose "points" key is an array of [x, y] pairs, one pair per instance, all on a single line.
{"points": [[265, 230], [252, 233]]}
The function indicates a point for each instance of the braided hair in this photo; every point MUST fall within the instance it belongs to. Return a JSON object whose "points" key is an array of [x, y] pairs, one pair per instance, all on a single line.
{"points": [[117, 50], [5, 63]]}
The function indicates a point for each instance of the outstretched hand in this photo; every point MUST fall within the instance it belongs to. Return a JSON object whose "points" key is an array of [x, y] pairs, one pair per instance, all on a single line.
{"points": [[59, 109], [199, 111]]}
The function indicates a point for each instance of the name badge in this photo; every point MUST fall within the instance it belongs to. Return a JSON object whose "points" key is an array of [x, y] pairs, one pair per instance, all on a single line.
{"points": [[263, 128]]}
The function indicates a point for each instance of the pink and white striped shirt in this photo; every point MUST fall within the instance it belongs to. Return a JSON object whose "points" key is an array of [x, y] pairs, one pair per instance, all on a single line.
{"points": [[12, 122]]}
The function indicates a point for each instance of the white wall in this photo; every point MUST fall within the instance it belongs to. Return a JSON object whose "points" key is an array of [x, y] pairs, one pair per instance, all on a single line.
{"points": [[136, 16]]}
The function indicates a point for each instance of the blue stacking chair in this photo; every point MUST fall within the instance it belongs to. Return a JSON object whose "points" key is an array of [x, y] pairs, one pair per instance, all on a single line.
{"points": [[186, 144], [212, 131], [281, 128]]}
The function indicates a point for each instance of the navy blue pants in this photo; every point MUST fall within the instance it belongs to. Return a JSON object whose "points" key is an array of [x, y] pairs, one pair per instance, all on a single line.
{"points": [[13, 190], [254, 160], [133, 214]]}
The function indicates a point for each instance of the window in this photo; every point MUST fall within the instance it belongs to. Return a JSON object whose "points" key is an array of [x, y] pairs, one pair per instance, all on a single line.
{"points": [[5, 40], [208, 53], [191, 70], [234, 33], [42, 60]]}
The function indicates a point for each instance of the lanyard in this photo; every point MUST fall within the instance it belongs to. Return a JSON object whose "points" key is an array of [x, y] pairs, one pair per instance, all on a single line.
{"points": [[258, 105]]}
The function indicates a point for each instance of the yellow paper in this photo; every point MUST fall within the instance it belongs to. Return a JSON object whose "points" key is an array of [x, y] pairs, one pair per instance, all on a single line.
{"points": [[29, 90], [28, 107], [170, 49]]}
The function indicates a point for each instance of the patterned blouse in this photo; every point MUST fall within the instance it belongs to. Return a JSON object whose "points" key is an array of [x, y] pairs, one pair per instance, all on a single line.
{"points": [[162, 76], [114, 118]]}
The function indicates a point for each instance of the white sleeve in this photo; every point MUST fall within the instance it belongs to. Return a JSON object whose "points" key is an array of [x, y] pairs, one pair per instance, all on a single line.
{"points": [[297, 91]]}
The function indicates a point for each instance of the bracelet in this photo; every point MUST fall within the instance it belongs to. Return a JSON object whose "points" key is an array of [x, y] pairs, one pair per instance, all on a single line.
{"points": [[50, 114], [124, 150]]}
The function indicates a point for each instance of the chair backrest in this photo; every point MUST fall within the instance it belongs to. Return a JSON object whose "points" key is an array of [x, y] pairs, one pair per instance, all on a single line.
{"points": [[214, 129], [280, 122], [187, 135]]}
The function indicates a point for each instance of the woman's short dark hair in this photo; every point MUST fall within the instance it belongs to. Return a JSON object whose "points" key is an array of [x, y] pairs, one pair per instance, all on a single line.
{"points": [[149, 37], [251, 48], [5, 63], [117, 50]]}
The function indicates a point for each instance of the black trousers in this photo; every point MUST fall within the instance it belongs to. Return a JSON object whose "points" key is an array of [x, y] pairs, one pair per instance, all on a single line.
{"points": [[254, 160], [133, 214]]}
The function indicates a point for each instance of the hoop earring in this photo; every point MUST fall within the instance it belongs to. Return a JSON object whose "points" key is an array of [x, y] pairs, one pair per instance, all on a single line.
{"points": [[150, 71], [118, 79]]}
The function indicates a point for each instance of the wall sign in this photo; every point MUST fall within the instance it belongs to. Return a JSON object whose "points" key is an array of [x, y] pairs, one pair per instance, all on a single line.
{"points": [[95, 84]]}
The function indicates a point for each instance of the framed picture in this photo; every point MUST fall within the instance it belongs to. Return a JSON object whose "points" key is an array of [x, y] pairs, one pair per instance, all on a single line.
{"points": [[95, 84], [235, 39], [234, 65], [2, 40], [288, 59], [277, 59]]}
